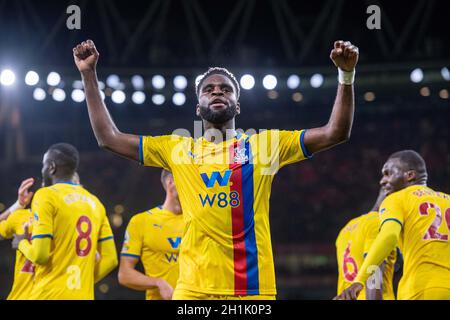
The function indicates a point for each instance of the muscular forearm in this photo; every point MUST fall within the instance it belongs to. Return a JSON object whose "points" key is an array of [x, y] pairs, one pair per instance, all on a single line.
{"points": [[136, 280], [37, 252], [341, 119]]}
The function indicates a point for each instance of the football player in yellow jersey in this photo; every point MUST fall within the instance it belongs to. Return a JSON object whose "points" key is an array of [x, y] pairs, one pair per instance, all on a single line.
{"points": [[223, 178], [12, 222], [69, 227], [352, 245], [154, 237], [418, 218]]}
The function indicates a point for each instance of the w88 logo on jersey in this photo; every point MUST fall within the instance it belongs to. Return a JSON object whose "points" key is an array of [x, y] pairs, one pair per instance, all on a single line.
{"points": [[221, 199]]}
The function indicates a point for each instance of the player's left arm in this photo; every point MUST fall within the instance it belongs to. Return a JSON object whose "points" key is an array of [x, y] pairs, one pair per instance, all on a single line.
{"points": [[108, 259], [345, 57], [37, 252], [383, 245]]}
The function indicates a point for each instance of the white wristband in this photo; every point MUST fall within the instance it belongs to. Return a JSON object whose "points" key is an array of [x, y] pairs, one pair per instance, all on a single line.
{"points": [[346, 77], [16, 206]]}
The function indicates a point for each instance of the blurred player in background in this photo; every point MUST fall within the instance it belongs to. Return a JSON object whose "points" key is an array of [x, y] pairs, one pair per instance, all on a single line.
{"points": [[352, 245], [418, 218], [154, 237], [223, 178], [12, 222], [70, 225]]}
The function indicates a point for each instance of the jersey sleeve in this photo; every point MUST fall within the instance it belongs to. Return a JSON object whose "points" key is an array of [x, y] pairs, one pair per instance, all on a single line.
{"points": [[43, 208], [372, 226], [163, 151], [105, 232], [392, 209], [132, 243]]}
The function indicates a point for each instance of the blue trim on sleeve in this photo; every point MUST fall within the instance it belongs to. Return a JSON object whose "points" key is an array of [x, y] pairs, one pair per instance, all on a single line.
{"points": [[391, 219], [107, 238], [39, 236], [302, 145], [141, 151], [365, 255], [130, 255]]}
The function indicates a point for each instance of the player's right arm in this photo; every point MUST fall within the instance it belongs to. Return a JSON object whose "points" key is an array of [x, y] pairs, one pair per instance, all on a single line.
{"points": [[132, 278], [24, 196], [107, 134]]}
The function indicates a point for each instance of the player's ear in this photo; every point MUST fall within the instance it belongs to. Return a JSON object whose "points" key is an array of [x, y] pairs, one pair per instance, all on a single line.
{"points": [[197, 110], [238, 108], [52, 168], [410, 175]]}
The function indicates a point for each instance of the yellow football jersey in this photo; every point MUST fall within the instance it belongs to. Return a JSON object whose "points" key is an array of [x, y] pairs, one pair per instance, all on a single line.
{"points": [[154, 237], [352, 245], [23, 268], [224, 189], [76, 221], [425, 217]]}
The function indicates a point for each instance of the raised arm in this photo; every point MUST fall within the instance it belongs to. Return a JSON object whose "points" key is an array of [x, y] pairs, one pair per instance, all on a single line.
{"points": [[24, 196], [106, 132], [337, 130]]}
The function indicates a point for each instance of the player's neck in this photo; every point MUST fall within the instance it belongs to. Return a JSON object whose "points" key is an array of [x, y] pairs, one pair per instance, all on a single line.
{"points": [[172, 205], [63, 180], [227, 130]]}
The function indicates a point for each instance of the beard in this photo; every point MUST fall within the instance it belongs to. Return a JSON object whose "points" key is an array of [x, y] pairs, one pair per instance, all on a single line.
{"points": [[220, 116]]}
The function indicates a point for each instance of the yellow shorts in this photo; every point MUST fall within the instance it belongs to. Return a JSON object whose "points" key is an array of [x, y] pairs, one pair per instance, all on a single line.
{"points": [[433, 294], [180, 294]]}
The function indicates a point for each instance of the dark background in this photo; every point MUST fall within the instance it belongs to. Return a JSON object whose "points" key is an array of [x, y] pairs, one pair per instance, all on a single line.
{"points": [[311, 200]]}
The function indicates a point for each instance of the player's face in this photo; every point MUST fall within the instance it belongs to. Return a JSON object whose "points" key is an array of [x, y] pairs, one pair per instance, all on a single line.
{"points": [[393, 176], [47, 168], [217, 100]]}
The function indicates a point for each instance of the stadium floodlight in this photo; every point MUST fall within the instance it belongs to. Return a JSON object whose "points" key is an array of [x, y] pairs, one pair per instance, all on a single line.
{"points": [[158, 99], [77, 84], [53, 79], [158, 82], [293, 81], [247, 81], [31, 78], [180, 82], [101, 85], [416, 75], [118, 96], [39, 94], [138, 97], [179, 99], [113, 81], [316, 80], [59, 95], [138, 82], [270, 82], [7, 77], [78, 95], [102, 94], [445, 73]]}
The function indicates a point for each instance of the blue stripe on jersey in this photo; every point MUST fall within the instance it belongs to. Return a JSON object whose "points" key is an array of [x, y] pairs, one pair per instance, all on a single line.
{"points": [[251, 249], [39, 236], [130, 255], [104, 239], [302, 145], [141, 151], [391, 219]]}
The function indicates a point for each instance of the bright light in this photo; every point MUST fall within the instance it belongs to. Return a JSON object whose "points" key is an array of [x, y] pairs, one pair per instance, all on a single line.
{"points": [[78, 95], [416, 75], [53, 79], [118, 96], [59, 95], [7, 77], [31, 78], [102, 94], [179, 99], [77, 84], [113, 81], [39, 94], [369, 96], [101, 85], [445, 73], [316, 80], [180, 82], [158, 99], [443, 94], [270, 82], [293, 82], [158, 82], [247, 81], [138, 97], [138, 82]]}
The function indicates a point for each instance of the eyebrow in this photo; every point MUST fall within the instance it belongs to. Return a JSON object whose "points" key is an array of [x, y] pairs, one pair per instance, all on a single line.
{"points": [[222, 85]]}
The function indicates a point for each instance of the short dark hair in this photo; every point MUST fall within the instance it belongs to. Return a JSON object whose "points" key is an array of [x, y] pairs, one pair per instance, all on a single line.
{"points": [[164, 175], [411, 160], [66, 157], [218, 70]]}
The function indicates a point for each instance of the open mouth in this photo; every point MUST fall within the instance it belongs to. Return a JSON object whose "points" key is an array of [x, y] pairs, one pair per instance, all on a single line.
{"points": [[217, 104]]}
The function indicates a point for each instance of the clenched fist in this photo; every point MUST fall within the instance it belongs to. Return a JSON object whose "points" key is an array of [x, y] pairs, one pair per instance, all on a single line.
{"points": [[344, 55], [86, 56]]}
